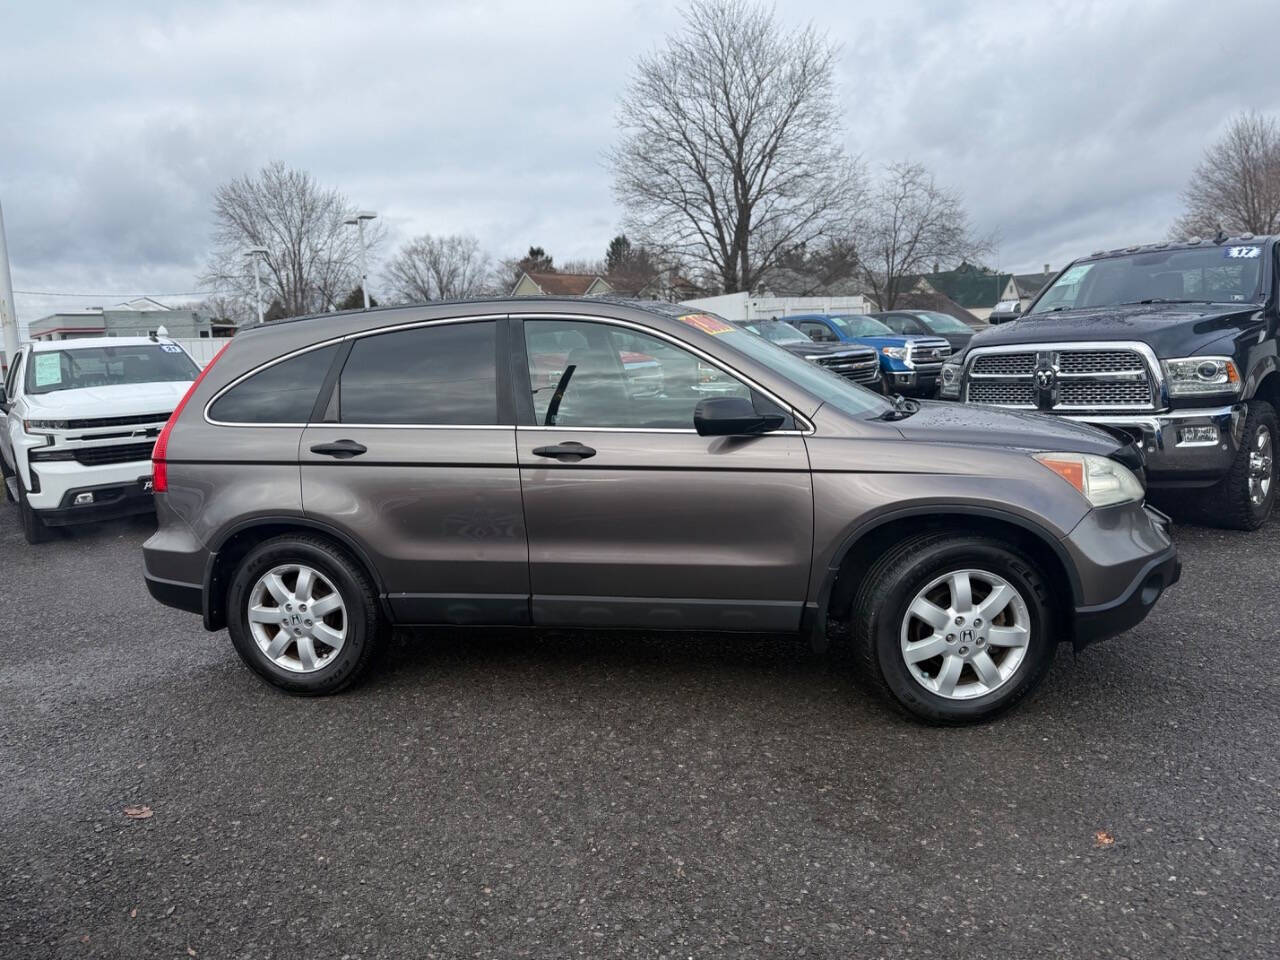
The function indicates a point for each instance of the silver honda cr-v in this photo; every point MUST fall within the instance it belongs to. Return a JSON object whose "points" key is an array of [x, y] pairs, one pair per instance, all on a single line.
{"points": [[578, 463]]}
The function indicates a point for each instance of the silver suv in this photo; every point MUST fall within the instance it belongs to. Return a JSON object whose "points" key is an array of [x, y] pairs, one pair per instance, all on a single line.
{"points": [[577, 463]]}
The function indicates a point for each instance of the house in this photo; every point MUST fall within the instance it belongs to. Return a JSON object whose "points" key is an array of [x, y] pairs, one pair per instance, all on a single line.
{"points": [[139, 317], [552, 284], [974, 288]]}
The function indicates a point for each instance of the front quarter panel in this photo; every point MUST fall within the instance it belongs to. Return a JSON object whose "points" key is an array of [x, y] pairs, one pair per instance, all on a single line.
{"points": [[865, 473]]}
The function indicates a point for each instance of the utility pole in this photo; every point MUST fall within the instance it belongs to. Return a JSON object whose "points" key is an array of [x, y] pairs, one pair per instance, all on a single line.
{"points": [[358, 220], [8, 311], [256, 254]]}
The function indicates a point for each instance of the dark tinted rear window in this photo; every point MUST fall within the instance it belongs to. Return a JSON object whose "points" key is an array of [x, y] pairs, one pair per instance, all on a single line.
{"points": [[443, 374], [284, 392]]}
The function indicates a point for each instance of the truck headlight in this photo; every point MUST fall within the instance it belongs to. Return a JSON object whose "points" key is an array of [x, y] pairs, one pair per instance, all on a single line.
{"points": [[1197, 376], [1100, 480], [950, 383], [30, 425], [898, 353]]}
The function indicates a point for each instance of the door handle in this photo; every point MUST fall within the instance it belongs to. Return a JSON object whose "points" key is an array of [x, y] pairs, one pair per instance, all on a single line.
{"points": [[342, 449], [571, 451]]}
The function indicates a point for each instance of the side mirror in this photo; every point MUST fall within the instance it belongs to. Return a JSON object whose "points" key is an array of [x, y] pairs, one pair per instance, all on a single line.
{"points": [[732, 417]]}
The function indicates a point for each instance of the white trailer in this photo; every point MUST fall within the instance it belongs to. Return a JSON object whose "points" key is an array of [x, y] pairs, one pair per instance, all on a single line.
{"points": [[744, 307]]}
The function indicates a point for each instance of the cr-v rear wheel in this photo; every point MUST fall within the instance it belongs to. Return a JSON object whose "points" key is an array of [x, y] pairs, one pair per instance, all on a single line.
{"points": [[303, 615], [955, 628]]}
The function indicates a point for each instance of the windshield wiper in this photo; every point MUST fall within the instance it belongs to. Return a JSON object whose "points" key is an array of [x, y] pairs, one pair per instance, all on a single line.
{"points": [[902, 408], [1134, 303]]}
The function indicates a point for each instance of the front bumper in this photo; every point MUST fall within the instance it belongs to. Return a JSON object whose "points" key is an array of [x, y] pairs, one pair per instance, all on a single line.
{"points": [[903, 379], [1172, 459], [1125, 561], [109, 501]]}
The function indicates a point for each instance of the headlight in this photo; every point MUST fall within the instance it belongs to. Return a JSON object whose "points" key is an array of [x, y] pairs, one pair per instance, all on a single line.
{"points": [[29, 425], [1100, 480], [1196, 376], [950, 380], [898, 353]]}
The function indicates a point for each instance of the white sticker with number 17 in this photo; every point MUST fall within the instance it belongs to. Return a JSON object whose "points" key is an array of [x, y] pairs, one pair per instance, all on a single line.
{"points": [[1242, 253]]}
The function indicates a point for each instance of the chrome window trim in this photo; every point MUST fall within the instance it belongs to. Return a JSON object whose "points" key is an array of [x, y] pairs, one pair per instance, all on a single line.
{"points": [[342, 339], [809, 428]]}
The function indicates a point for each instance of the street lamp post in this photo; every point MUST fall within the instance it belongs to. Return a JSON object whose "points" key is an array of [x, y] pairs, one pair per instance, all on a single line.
{"points": [[358, 219], [8, 310], [256, 254]]}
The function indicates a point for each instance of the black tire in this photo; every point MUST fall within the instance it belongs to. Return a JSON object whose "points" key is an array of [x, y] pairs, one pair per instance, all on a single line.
{"points": [[5, 470], [33, 528], [880, 606], [1229, 504], [364, 625]]}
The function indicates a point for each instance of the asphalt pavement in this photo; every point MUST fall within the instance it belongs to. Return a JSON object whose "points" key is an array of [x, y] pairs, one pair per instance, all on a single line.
{"points": [[510, 794]]}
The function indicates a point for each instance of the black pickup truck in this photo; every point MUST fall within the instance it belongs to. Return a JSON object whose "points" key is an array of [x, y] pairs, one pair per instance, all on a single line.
{"points": [[1173, 344]]}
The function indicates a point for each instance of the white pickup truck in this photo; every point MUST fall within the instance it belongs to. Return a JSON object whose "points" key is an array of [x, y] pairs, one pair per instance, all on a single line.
{"points": [[81, 417]]}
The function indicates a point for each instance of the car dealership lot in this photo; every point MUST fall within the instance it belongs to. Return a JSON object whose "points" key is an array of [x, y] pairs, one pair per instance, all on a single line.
{"points": [[505, 794]]}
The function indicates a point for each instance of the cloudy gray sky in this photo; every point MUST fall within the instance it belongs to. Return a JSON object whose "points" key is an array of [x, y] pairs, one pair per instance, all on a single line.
{"points": [[1065, 125]]}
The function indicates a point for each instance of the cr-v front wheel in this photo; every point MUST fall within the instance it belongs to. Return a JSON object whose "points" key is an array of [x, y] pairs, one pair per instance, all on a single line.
{"points": [[303, 615], [955, 628]]}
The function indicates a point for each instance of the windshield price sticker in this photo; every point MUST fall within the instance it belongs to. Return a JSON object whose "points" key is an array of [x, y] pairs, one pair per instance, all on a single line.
{"points": [[1075, 274], [170, 348], [48, 369], [1243, 253], [706, 323]]}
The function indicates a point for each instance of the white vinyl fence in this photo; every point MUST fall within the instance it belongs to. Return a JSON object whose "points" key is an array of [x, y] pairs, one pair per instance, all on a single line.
{"points": [[202, 349]]}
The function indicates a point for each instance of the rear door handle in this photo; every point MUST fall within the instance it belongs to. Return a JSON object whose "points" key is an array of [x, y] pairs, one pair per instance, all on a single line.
{"points": [[570, 451], [342, 449]]}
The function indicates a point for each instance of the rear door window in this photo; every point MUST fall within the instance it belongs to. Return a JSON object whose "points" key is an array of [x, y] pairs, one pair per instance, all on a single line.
{"points": [[283, 393], [438, 375]]}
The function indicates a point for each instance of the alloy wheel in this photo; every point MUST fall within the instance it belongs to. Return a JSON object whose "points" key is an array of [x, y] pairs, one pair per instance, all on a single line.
{"points": [[965, 634], [1261, 466], [297, 618]]}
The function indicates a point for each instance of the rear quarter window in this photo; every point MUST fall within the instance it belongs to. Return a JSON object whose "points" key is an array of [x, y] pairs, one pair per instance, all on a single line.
{"points": [[284, 392]]}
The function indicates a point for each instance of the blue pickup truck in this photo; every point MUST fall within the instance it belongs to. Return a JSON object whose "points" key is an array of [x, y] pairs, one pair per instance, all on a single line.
{"points": [[909, 363]]}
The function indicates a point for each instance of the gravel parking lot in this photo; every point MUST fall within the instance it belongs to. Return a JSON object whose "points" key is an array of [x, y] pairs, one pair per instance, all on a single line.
{"points": [[503, 795]]}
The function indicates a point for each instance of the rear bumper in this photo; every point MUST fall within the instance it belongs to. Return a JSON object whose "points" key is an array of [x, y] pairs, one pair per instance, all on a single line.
{"points": [[172, 593], [1174, 459]]}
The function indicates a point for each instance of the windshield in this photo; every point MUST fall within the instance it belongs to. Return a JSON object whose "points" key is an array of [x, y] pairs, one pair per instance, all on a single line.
{"points": [[822, 383], [775, 331], [1212, 274], [860, 326], [52, 370], [943, 322]]}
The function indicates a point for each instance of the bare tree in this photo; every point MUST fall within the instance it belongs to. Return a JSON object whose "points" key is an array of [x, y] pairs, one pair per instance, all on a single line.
{"points": [[730, 149], [910, 225], [312, 257], [439, 268], [594, 267], [1236, 186]]}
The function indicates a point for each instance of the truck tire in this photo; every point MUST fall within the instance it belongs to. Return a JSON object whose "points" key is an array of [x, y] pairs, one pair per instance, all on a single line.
{"points": [[954, 628], [1244, 498], [33, 528], [273, 622]]}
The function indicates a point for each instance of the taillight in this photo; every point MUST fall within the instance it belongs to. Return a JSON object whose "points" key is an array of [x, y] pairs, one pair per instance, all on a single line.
{"points": [[159, 469]]}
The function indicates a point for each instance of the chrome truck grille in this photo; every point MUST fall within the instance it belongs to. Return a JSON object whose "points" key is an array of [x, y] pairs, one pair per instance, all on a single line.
{"points": [[1063, 377], [928, 355], [860, 366]]}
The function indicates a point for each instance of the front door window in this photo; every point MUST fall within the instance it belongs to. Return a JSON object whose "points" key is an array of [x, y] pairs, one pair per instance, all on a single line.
{"points": [[586, 374]]}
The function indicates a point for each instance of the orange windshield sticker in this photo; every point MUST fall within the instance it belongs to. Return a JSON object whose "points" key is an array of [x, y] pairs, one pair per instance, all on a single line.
{"points": [[707, 323]]}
